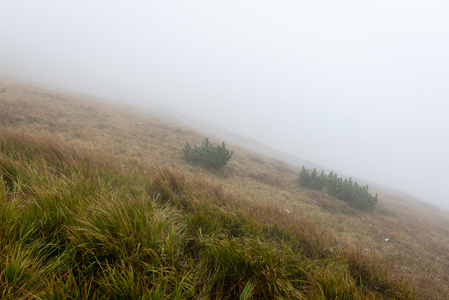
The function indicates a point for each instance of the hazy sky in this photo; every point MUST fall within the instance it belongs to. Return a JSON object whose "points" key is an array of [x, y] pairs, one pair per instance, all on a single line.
{"points": [[360, 87]]}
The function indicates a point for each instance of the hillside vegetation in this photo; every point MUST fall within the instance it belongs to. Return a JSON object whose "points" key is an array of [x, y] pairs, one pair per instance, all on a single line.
{"points": [[346, 190], [97, 202]]}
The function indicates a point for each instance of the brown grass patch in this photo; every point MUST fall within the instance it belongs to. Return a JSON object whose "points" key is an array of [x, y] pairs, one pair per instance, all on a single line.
{"points": [[418, 235]]}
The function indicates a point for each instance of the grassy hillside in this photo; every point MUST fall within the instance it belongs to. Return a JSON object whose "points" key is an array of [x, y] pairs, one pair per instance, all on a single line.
{"points": [[96, 202]]}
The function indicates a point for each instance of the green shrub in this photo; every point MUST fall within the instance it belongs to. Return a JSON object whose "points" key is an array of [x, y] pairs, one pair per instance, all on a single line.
{"points": [[346, 190], [207, 155]]}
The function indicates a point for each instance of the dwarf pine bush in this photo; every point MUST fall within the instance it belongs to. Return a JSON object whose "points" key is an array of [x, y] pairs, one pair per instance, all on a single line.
{"points": [[207, 155], [344, 189]]}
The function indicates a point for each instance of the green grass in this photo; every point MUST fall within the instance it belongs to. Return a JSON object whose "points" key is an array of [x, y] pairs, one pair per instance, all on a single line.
{"points": [[77, 226]]}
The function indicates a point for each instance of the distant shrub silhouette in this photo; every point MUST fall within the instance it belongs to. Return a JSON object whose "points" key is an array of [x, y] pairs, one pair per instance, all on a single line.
{"points": [[346, 190], [207, 155]]}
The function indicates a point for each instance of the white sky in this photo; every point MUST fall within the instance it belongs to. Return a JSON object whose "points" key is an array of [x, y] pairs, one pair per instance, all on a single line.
{"points": [[360, 87]]}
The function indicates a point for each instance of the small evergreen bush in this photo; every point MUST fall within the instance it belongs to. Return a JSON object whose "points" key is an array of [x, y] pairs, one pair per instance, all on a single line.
{"points": [[207, 155], [346, 190]]}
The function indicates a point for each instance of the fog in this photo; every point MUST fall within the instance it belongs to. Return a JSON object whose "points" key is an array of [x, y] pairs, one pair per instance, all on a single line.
{"points": [[359, 87]]}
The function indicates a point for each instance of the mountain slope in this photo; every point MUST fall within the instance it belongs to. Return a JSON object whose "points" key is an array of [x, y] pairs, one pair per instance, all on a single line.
{"points": [[229, 228]]}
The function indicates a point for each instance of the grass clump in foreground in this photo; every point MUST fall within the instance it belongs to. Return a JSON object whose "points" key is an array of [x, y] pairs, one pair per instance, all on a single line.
{"points": [[73, 226]]}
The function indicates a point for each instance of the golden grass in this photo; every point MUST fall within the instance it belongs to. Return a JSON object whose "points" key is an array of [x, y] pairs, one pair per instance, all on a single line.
{"points": [[418, 243]]}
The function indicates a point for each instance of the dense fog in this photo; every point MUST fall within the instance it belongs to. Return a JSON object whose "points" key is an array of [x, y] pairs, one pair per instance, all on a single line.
{"points": [[359, 87]]}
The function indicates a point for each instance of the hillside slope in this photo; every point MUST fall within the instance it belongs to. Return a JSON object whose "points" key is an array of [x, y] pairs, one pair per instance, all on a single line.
{"points": [[219, 233]]}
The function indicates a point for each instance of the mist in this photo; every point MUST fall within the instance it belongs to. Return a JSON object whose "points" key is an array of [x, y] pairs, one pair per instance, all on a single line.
{"points": [[359, 87]]}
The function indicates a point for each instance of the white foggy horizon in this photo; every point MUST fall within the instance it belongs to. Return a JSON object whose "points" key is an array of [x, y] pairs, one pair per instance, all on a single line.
{"points": [[358, 87]]}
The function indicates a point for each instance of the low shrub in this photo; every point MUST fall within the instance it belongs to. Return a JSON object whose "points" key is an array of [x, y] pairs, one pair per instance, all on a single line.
{"points": [[207, 155], [344, 189]]}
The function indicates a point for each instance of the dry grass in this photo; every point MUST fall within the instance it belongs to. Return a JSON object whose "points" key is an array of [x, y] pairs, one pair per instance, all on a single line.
{"points": [[260, 186]]}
